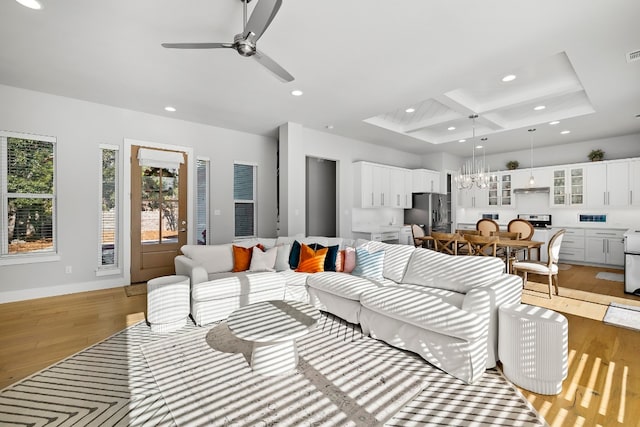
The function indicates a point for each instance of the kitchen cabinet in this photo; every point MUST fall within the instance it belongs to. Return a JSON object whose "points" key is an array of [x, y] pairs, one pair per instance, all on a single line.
{"points": [[634, 182], [572, 246], [426, 181], [377, 236], [380, 186], [500, 190], [604, 246], [607, 184], [568, 186], [474, 197], [408, 189]]}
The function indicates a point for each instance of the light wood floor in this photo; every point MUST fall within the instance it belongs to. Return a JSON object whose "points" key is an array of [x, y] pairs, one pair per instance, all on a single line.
{"points": [[602, 388]]}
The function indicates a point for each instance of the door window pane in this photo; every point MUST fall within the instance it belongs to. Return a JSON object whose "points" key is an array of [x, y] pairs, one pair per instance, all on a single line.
{"points": [[159, 210]]}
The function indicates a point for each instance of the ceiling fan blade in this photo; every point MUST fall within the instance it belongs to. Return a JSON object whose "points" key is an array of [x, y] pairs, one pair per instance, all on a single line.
{"points": [[196, 45], [262, 15], [273, 66]]}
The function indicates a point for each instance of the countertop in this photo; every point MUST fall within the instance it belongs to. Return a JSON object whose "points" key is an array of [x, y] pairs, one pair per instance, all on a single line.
{"points": [[377, 228]]}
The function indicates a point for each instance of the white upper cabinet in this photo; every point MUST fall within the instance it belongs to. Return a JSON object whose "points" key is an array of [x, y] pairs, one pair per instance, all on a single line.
{"points": [[426, 181], [500, 192], [634, 182], [380, 186], [567, 186], [408, 189], [607, 184]]}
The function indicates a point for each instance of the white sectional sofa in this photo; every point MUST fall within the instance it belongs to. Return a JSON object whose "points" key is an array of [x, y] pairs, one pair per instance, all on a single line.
{"points": [[442, 307]]}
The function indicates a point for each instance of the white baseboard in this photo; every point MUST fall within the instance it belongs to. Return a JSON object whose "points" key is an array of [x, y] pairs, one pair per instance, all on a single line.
{"points": [[69, 288]]}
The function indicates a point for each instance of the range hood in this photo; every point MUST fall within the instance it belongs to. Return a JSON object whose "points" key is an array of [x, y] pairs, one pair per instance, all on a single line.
{"points": [[528, 190]]}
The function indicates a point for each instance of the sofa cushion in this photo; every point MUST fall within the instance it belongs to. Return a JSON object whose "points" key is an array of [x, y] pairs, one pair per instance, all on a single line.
{"points": [[231, 285], [340, 284], [282, 258], [450, 297], [311, 261], [331, 258], [263, 260], [455, 273], [396, 258], [214, 258], [242, 257], [423, 309], [369, 264]]}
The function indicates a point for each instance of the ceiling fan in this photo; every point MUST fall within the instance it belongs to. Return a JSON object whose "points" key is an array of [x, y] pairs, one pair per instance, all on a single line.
{"points": [[245, 42]]}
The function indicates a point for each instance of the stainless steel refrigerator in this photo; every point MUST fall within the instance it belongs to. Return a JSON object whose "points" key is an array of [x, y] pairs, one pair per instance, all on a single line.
{"points": [[431, 211]]}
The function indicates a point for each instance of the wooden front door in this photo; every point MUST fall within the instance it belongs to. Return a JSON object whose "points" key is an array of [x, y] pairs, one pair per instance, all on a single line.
{"points": [[158, 217]]}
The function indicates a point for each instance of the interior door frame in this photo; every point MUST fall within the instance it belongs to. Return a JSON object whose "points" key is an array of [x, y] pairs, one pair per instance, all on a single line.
{"points": [[126, 226]]}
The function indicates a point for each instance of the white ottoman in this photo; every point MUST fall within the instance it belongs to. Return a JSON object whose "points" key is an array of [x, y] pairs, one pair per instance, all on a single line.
{"points": [[168, 303], [533, 347]]}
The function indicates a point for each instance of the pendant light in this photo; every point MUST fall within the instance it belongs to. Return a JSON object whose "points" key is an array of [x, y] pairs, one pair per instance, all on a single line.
{"points": [[532, 181]]}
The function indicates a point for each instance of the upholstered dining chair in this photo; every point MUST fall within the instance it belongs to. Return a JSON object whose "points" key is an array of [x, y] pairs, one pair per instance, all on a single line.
{"points": [[525, 228], [485, 226], [549, 268], [481, 245], [445, 242], [417, 232]]}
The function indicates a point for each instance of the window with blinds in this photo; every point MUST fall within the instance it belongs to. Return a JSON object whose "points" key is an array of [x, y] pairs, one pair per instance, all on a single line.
{"points": [[27, 189], [244, 195], [109, 208], [202, 200]]}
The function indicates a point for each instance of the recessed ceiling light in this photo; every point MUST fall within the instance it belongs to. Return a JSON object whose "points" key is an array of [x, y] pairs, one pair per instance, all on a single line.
{"points": [[329, 126], [31, 4], [170, 109], [555, 122], [462, 140], [297, 92], [451, 128], [479, 146], [564, 132], [509, 78], [539, 107], [409, 110]]}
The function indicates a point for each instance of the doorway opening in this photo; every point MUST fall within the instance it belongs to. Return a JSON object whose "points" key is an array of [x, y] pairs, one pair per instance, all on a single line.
{"points": [[321, 194]]}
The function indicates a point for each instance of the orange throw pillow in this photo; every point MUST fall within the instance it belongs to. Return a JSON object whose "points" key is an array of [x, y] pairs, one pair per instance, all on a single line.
{"points": [[242, 257], [311, 261]]}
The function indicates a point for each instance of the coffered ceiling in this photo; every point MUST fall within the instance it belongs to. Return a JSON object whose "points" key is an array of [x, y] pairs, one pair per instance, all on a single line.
{"points": [[360, 64]]}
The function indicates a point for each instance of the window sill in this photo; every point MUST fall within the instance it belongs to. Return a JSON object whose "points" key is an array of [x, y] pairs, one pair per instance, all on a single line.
{"points": [[29, 259], [108, 272]]}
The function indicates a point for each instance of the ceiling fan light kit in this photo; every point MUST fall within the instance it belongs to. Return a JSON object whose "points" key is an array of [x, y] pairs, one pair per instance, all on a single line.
{"points": [[245, 42]]}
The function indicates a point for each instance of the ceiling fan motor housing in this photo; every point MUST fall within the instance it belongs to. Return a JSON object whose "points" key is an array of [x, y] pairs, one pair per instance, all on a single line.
{"points": [[243, 46]]}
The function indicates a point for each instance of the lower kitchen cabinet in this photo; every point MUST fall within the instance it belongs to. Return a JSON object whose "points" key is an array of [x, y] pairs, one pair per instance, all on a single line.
{"points": [[604, 246], [572, 247]]}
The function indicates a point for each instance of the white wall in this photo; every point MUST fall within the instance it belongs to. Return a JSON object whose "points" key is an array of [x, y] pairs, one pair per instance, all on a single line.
{"points": [[79, 128], [621, 147], [297, 142]]}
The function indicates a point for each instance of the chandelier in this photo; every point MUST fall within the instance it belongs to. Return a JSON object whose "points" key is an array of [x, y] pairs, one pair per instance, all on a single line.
{"points": [[473, 171]]}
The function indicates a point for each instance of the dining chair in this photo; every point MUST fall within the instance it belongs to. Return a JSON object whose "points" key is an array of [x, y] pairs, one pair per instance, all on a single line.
{"points": [[526, 230], [417, 232], [549, 268], [481, 245], [486, 226], [463, 247], [445, 242]]}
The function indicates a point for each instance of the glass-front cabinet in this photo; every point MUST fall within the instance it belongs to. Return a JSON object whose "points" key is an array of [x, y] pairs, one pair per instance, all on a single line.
{"points": [[568, 187], [500, 190]]}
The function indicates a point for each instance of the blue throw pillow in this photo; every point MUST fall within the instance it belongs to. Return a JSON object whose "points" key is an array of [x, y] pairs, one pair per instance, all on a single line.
{"points": [[294, 255], [369, 264], [332, 255]]}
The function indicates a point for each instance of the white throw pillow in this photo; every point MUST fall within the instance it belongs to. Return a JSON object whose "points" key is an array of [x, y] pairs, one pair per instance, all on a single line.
{"points": [[263, 261], [282, 259]]}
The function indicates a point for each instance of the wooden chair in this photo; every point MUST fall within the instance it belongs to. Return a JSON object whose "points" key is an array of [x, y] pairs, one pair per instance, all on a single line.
{"points": [[445, 242], [463, 247], [549, 268], [416, 232], [481, 246], [526, 230], [485, 226]]}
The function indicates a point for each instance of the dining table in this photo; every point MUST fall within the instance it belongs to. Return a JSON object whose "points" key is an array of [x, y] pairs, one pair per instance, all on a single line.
{"points": [[507, 244]]}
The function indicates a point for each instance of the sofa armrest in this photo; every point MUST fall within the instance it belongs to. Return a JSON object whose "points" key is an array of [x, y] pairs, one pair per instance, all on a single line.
{"points": [[187, 267], [506, 289]]}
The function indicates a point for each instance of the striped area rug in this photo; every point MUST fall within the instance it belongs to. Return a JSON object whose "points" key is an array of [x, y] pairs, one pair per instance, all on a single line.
{"points": [[110, 384]]}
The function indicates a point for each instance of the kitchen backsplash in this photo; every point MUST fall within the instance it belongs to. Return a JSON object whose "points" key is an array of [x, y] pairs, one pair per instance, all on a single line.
{"points": [[381, 216]]}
